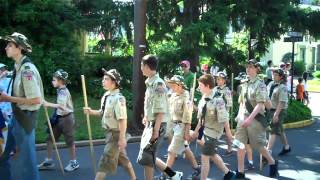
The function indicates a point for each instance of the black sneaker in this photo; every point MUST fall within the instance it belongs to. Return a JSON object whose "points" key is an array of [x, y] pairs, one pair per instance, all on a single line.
{"points": [[195, 175], [284, 151], [240, 175], [273, 172], [230, 175], [249, 167]]}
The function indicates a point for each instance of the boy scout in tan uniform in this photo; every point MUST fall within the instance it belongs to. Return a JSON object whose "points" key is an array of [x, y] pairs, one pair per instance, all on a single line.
{"points": [[180, 115], [222, 90], [278, 94], [62, 121], [252, 126], [155, 108], [114, 120], [212, 115], [27, 96]]}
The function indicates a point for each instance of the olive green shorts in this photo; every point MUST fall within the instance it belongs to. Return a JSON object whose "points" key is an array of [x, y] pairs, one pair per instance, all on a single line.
{"points": [[112, 156], [277, 128], [255, 134], [210, 146], [65, 126]]}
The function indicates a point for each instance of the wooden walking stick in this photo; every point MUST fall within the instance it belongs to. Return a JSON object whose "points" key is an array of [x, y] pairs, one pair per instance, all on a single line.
{"points": [[191, 99], [53, 139], [88, 122]]}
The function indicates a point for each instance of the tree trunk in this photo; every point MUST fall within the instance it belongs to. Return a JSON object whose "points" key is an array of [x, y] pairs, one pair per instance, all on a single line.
{"points": [[138, 87]]}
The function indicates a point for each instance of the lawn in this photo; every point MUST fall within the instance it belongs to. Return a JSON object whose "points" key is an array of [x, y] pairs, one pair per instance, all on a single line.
{"points": [[314, 85], [81, 123]]}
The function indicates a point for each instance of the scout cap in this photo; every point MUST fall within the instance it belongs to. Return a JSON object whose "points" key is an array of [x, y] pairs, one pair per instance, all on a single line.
{"points": [[177, 79], [279, 71], [185, 62], [61, 74], [222, 74], [114, 74], [18, 39], [242, 77]]}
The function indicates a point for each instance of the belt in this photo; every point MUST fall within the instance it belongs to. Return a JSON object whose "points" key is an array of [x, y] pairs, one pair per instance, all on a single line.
{"points": [[62, 116], [177, 121]]}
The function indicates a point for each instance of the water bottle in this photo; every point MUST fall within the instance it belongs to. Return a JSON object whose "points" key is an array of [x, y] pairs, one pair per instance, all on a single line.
{"points": [[238, 144]]}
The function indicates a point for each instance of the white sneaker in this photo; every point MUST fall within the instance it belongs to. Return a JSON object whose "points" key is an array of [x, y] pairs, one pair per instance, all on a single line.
{"points": [[47, 164], [73, 165], [178, 176]]}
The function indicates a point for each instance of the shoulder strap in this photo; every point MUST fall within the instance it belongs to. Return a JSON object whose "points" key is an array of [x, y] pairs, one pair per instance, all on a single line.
{"points": [[26, 60]]}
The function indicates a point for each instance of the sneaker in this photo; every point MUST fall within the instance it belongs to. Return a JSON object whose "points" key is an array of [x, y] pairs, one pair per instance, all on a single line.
{"points": [[178, 176], [162, 176], [284, 151], [195, 175], [273, 172], [240, 175], [47, 164], [230, 175], [73, 165], [249, 167]]}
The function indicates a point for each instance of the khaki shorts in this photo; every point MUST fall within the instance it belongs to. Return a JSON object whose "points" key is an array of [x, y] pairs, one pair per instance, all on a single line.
{"points": [[277, 128], [66, 127], [112, 156], [178, 145], [210, 146], [255, 134], [169, 129]]}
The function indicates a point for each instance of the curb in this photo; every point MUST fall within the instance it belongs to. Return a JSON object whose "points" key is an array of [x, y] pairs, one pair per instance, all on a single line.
{"points": [[135, 139]]}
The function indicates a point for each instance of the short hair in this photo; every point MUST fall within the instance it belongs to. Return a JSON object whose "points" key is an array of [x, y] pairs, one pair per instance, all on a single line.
{"points": [[269, 62], [151, 61], [300, 79], [207, 80]]}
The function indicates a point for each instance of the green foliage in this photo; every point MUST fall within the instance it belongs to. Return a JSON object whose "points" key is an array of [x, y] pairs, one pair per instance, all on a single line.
{"points": [[51, 28], [299, 68], [297, 111], [316, 74]]}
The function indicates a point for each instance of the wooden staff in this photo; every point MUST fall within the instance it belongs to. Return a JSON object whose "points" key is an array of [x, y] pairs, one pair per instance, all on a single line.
{"points": [[232, 88], [88, 122], [192, 92], [53, 139]]}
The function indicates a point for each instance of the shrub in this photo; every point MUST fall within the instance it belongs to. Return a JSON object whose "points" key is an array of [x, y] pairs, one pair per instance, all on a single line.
{"points": [[299, 68], [316, 74]]}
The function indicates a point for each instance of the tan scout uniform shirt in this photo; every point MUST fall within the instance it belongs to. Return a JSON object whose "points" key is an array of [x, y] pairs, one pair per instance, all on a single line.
{"points": [[215, 117], [179, 107], [155, 100], [225, 91], [64, 99], [280, 94], [256, 91], [114, 109], [27, 84]]}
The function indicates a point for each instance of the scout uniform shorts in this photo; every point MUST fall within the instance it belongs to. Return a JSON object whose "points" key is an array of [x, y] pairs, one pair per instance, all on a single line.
{"points": [[65, 126], [210, 146], [112, 156], [255, 134], [178, 145], [277, 128]]}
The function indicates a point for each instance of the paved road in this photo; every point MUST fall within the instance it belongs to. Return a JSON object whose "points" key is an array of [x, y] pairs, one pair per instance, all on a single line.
{"points": [[302, 163]]}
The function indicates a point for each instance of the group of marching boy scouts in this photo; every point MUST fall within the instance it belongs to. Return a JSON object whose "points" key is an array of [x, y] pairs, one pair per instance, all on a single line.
{"points": [[168, 108]]}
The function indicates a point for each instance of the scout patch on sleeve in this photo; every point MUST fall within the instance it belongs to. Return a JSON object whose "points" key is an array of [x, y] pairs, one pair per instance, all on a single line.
{"points": [[122, 101], [262, 87], [62, 93], [28, 74], [160, 89]]}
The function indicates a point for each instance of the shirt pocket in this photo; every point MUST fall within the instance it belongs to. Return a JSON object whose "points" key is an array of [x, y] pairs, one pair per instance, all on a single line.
{"points": [[211, 110]]}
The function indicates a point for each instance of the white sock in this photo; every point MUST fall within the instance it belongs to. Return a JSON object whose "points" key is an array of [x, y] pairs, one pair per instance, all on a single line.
{"points": [[250, 162], [286, 147]]}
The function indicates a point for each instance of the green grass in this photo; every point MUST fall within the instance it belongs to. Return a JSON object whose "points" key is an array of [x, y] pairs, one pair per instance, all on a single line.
{"points": [[314, 85], [81, 131]]}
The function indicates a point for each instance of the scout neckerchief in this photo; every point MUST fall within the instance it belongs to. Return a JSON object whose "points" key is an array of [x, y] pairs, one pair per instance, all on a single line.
{"points": [[273, 86], [11, 83], [204, 111], [104, 103]]}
